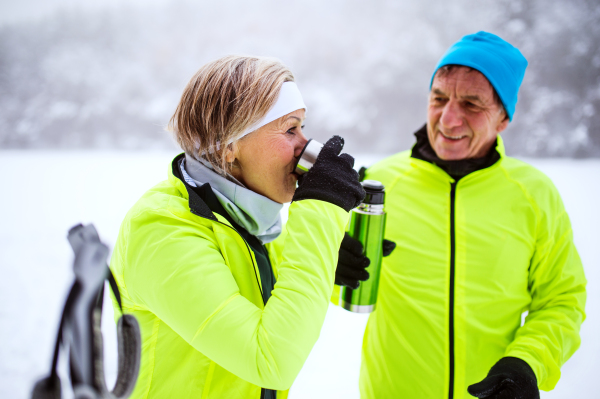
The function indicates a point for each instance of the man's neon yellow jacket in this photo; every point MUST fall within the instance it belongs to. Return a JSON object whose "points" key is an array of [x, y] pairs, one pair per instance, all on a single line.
{"points": [[471, 256], [194, 286]]}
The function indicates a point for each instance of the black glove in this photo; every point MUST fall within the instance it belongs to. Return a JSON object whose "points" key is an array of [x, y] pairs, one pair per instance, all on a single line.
{"points": [[352, 262], [332, 178], [361, 173], [510, 378]]}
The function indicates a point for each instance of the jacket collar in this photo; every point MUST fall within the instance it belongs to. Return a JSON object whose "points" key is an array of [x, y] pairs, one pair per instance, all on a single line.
{"points": [[195, 195], [257, 214], [456, 169]]}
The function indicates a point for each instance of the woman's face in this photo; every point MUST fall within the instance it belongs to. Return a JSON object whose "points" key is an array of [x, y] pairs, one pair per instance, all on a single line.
{"points": [[266, 158]]}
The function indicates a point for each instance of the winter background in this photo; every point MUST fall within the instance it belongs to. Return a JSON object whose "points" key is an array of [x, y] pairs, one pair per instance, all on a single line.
{"points": [[86, 89]]}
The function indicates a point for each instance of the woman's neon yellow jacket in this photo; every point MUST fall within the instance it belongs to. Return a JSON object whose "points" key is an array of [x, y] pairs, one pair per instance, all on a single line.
{"points": [[193, 284], [513, 251]]}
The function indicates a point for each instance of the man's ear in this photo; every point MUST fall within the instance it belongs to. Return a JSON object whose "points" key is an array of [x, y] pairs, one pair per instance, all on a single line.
{"points": [[503, 124]]}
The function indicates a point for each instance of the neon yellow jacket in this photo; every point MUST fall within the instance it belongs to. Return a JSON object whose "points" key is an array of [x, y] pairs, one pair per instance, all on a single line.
{"points": [[194, 286], [513, 251]]}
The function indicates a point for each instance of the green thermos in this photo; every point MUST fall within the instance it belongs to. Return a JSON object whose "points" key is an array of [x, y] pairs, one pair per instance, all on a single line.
{"points": [[367, 225]]}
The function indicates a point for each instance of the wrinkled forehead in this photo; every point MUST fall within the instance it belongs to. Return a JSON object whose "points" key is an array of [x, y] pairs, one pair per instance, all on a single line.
{"points": [[463, 80]]}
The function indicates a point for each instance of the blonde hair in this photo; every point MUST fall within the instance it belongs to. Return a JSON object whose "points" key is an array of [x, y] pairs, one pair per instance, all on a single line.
{"points": [[221, 101]]}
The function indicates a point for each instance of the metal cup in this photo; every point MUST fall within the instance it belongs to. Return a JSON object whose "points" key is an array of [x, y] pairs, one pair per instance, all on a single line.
{"points": [[308, 156], [367, 225]]}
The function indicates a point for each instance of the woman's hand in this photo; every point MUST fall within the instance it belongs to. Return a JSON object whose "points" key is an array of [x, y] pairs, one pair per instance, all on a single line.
{"points": [[332, 178]]}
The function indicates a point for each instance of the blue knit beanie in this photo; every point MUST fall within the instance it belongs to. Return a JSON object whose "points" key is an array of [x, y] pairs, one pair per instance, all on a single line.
{"points": [[502, 64]]}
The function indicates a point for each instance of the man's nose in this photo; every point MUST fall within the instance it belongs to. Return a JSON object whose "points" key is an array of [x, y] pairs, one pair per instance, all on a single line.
{"points": [[452, 115]]}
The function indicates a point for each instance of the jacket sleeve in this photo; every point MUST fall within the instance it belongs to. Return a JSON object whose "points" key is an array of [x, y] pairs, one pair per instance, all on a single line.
{"points": [[186, 283], [550, 334], [335, 295]]}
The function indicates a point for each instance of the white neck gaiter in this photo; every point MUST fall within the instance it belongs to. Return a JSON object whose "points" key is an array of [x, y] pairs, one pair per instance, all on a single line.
{"points": [[256, 213]]}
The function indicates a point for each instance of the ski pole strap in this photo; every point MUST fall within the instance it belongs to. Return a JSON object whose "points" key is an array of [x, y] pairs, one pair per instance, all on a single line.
{"points": [[114, 288], [80, 328]]}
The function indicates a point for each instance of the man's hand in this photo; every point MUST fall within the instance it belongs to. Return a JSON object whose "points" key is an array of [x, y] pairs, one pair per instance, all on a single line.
{"points": [[510, 378], [352, 263]]}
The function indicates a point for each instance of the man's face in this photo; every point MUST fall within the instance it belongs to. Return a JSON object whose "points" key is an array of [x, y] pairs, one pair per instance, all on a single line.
{"points": [[463, 118]]}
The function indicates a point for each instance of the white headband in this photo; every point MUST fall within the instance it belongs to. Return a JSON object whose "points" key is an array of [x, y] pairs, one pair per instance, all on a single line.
{"points": [[289, 100]]}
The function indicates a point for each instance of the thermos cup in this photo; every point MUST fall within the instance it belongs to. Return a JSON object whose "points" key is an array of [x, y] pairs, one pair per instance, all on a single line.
{"points": [[367, 225], [308, 156]]}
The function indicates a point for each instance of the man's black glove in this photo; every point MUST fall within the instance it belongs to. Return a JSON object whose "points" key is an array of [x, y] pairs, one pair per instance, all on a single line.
{"points": [[510, 378], [332, 178], [352, 262]]}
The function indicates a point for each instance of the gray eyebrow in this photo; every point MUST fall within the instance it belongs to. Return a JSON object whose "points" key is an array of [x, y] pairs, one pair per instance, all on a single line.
{"points": [[474, 98], [470, 97]]}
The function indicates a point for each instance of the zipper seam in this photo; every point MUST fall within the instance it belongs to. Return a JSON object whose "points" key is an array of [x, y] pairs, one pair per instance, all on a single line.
{"points": [[254, 266], [452, 280], [185, 184], [262, 390]]}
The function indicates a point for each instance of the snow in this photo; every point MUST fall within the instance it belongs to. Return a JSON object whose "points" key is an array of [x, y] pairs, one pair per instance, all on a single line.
{"points": [[44, 193]]}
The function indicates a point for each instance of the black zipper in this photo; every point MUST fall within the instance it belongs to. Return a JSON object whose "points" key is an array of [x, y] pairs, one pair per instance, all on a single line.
{"points": [[452, 272], [263, 391], [247, 247], [254, 266], [192, 204]]}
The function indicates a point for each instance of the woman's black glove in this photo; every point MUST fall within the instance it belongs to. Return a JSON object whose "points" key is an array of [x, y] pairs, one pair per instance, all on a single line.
{"points": [[510, 378], [352, 262], [332, 178]]}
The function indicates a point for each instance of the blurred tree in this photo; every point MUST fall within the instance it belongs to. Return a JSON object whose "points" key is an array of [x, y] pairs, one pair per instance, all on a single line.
{"points": [[111, 79], [558, 112]]}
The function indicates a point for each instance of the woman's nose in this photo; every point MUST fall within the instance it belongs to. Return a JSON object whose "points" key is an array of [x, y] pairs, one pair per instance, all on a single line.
{"points": [[300, 144], [452, 115]]}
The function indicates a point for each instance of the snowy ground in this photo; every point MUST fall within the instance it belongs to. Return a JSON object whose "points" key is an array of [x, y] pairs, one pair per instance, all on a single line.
{"points": [[45, 193]]}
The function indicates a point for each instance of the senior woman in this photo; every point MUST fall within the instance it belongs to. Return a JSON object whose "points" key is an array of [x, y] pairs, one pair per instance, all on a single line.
{"points": [[230, 303]]}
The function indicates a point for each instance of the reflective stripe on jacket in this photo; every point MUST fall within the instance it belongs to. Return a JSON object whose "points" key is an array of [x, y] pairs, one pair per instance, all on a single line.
{"points": [[192, 282], [471, 256]]}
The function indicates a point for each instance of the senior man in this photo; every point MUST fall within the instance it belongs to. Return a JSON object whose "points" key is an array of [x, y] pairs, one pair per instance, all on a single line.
{"points": [[481, 238]]}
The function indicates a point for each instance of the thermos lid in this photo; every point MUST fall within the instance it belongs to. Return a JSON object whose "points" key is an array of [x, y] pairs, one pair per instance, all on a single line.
{"points": [[375, 192]]}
